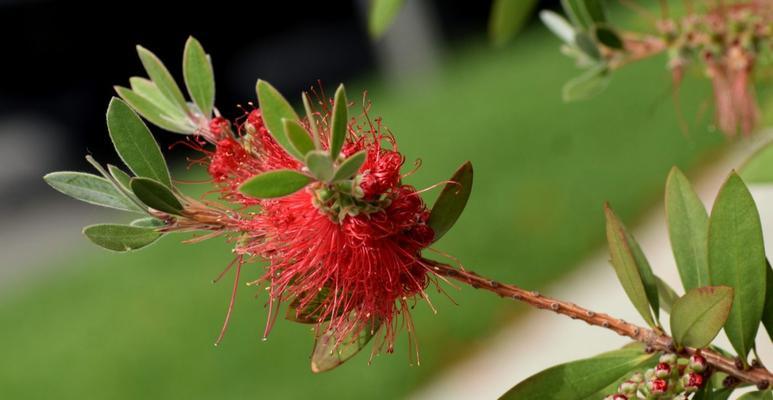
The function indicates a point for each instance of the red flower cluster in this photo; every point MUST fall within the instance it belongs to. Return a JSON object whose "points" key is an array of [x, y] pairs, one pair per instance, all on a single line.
{"points": [[349, 274]]}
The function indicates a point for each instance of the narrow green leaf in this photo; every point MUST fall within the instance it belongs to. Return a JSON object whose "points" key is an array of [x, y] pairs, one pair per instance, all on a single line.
{"points": [[350, 166], [381, 14], [155, 195], [608, 37], [275, 108], [767, 314], [199, 77], [320, 165], [507, 18], [584, 13], [327, 356], [587, 45], [688, 229], [147, 89], [135, 144], [91, 189], [628, 267], [312, 120], [759, 167], [272, 184], [737, 259], [759, 395], [312, 312], [340, 124], [120, 237], [298, 137], [558, 25], [161, 77], [121, 177], [579, 379], [699, 315], [666, 294], [147, 222], [589, 84], [451, 201], [153, 113]]}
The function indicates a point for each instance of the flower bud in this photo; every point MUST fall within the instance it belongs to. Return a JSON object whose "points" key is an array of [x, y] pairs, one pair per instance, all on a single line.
{"points": [[657, 386], [697, 363], [669, 358], [692, 381], [662, 370], [637, 377], [628, 388], [649, 374], [617, 396]]}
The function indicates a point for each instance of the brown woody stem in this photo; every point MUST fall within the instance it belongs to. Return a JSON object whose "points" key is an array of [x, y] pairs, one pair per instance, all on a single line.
{"points": [[654, 339]]}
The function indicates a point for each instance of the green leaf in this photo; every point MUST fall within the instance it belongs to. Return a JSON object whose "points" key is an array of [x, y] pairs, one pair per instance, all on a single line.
{"points": [[340, 124], [312, 120], [162, 78], [272, 184], [558, 25], [451, 201], [199, 77], [766, 395], [327, 355], [311, 313], [135, 144], [699, 315], [579, 379], [587, 85], [155, 195], [350, 166], [147, 222], [507, 18], [121, 177], [584, 13], [632, 268], [608, 37], [147, 89], [381, 14], [688, 229], [298, 137], [91, 189], [587, 45], [320, 165], [759, 167], [767, 314], [120, 237], [153, 113], [666, 295], [275, 108], [737, 259]]}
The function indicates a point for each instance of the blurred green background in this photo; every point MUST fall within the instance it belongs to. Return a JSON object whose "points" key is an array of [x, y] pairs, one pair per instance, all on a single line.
{"points": [[142, 325]]}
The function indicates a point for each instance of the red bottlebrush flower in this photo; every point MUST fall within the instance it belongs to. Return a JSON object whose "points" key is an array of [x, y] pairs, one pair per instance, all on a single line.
{"points": [[658, 386], [693, 381]]}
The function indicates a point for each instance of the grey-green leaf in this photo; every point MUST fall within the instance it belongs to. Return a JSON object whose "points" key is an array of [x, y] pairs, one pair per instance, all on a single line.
{"points": [[759, 167], [120, 176], [767, 313], [274, 108], [162, 78], [698, 316], [350, 166], [91, 189], [312, 120], [589, 84], [579, 379], [121, 237], [666, 294], [737, 259], [135, 144], [587, 45], [381, 14], [155, 195], [451, 201], [507, 18], [320, 165], [273, 184], [584, 13], [298, 137], [340, 124], [153, 113], [558, 25], [150, 91], [147, 222], [199, 77], [628, 266], [327, 356], [688, 229]]}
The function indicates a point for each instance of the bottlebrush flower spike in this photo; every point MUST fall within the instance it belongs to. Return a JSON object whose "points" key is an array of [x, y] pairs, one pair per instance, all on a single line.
{"points": [[320, 199]]}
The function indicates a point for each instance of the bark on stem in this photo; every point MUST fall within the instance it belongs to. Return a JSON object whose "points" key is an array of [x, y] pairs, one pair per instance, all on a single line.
{"points": [[657, 341]]}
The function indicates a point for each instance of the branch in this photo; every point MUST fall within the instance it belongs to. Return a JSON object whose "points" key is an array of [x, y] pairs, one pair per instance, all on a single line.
{"points": [[657, 341]]}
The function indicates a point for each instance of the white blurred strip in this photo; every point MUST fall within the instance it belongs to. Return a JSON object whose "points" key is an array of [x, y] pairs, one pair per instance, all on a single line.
{"points": [[542, 339]]}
